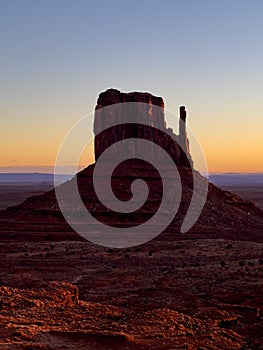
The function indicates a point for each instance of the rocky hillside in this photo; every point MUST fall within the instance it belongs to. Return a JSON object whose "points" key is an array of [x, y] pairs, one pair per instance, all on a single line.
{"points": [[225, 214]]}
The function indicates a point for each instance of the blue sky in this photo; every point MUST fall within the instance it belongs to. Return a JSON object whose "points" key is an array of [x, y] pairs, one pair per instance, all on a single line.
{"points": [[57, 56]]}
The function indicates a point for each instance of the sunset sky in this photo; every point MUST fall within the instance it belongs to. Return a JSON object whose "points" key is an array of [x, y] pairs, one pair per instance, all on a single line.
{"points": [[58, 55]]}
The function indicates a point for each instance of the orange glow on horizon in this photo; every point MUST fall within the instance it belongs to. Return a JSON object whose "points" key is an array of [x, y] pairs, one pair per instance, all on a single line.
{"points": [[228, 146]]}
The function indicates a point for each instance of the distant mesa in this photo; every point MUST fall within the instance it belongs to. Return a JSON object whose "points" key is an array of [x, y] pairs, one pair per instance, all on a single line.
{"points": [[146, 113]]}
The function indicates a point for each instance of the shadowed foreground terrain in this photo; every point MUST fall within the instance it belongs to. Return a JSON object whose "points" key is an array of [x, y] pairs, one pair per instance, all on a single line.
{"points": [[194, 294], [199, 290]]}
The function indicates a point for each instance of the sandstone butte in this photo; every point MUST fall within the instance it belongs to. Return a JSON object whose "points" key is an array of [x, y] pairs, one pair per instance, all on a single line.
{"points": [[197, 290], [147, 112]]}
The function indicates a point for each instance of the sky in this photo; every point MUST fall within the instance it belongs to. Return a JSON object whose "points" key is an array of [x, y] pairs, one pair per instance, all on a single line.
{"points": [[58, 55]]}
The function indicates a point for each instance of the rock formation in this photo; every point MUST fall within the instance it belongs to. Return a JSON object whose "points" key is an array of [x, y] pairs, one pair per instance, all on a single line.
{"points": [[193, 290], [146, 113], [40, 219]]}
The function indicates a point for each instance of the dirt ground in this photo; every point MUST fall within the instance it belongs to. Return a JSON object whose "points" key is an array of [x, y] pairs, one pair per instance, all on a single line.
{"points": [[174, 292]]}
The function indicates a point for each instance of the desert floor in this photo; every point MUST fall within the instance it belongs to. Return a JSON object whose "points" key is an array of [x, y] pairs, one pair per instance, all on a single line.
{"points": [[180, 293], [12, 193]]}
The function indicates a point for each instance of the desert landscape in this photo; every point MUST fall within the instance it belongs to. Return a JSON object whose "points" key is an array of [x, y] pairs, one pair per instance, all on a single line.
{"points": [[131, 178], [251, 193], [196, 290], [247, 186], [171, 293], [13, 193]]}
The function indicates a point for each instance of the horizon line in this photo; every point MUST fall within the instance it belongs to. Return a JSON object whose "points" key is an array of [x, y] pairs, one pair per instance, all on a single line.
{"points": [[50, 172]]}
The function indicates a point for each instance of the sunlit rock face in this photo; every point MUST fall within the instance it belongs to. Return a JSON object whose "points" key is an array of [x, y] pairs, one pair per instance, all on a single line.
{"points": [[137, 115]]}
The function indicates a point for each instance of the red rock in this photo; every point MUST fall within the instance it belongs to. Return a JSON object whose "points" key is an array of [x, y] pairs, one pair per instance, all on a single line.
{"points": [[148, 116]]}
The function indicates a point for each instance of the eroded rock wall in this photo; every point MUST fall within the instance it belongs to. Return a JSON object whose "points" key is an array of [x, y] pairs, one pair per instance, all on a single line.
{"points": [[146, 113]]}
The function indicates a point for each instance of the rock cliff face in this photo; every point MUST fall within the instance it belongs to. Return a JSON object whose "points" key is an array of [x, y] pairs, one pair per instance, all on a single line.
{"points": [[140, 115]]}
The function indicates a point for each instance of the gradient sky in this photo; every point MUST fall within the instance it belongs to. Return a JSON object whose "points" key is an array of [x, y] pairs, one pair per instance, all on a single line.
{"points": [[58, 55]]}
